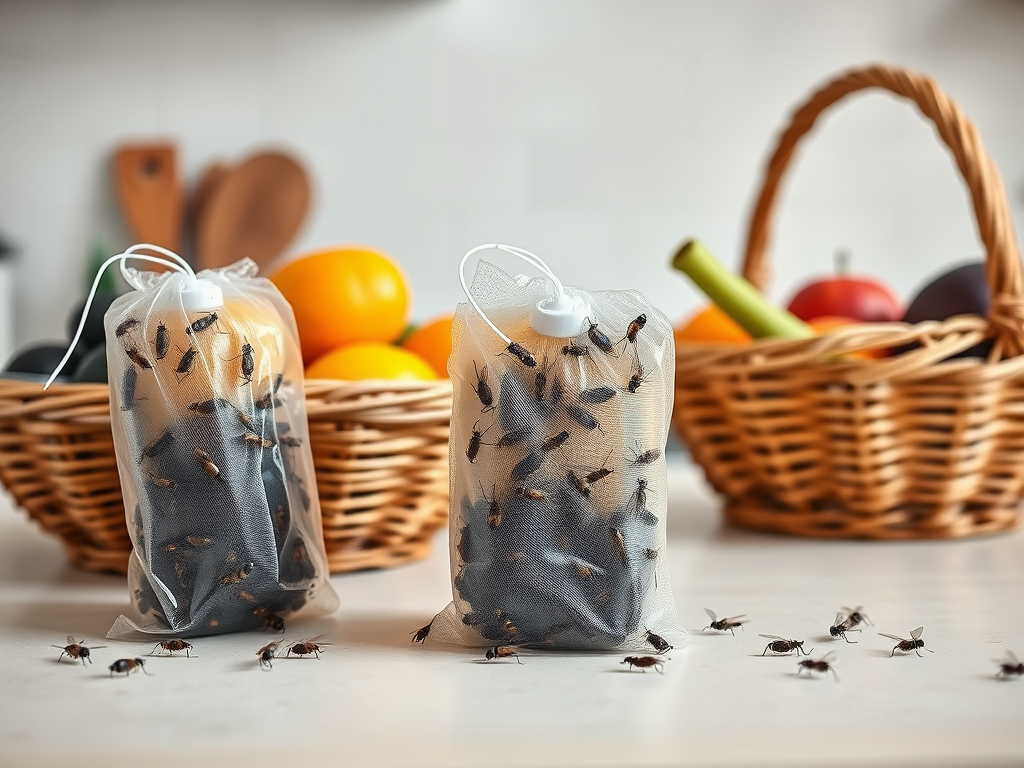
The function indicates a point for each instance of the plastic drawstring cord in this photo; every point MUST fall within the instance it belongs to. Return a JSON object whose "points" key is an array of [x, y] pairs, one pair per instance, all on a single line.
{"points": [[523, 254], [179, 265]]}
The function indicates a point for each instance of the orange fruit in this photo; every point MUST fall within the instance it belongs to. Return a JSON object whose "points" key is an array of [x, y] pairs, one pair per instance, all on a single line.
{"points": [[826, 323], [710, 325], [370, 360], [433, 342], [344, 295]]}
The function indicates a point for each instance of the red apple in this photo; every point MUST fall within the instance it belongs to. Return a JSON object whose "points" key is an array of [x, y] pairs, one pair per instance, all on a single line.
{"points": [[860, 298]]}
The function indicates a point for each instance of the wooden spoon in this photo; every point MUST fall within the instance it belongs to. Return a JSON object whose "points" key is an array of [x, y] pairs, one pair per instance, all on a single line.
{"points": [[255, 210], [211, 178], [149, 190]]}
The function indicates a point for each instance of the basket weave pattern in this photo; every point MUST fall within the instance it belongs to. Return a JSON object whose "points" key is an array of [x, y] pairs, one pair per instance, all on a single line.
{"points": [[380, 449], [801, 438]]}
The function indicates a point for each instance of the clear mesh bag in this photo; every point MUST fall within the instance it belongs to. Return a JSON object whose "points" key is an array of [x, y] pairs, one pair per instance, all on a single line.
{"points": [[558, 477], [210, 431]]}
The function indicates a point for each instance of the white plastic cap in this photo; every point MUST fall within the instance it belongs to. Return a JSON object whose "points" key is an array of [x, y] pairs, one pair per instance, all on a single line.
{"points": [[201, 295], [562, 315]]}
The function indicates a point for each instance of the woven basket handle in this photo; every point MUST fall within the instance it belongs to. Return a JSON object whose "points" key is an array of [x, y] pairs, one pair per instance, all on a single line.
{"points": [[991, 208]]}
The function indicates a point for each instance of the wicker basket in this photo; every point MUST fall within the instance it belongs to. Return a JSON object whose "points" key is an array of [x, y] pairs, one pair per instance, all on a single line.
{"points": [[801, 438], [380, 449]]}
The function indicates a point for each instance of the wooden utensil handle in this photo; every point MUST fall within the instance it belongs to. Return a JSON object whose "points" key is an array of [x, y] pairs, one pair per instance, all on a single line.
{"points": [[991, 207]]}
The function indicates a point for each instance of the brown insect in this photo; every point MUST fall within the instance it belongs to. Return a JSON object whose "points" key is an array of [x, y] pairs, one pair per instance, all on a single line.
{"points": [[162, 482], [211, 469], [1010, 666], [307, 647], [75, 649], [649, 456], [493, 507], [599, 339], [840, 627], [635, 327], [637, 379], [554, 441], [269, 400], [575, 350], [474, 442], [138, 358], [580, 484], [187, 359], [247, 364], [506, 623], [660, 644], [270, 619], [266, 654], [643, 662], [202, 323], [198, 541], [638, 501], [540, 383], [821, 666], [906, 646], [782, 645], [531, 493], [255, 440], [162, 342], [290, 441], [421, 634], [522, 354], [502, 652], [620, 543], [206, 407], [483, 388], [127, 666], [599, 474], [236, 576], [557, 390], [126, 326], [173, 645], [723, 625]]}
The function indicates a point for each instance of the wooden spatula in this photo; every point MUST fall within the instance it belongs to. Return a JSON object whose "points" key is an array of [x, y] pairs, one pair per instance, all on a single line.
{"points": [[254, 211], [149, 190]]}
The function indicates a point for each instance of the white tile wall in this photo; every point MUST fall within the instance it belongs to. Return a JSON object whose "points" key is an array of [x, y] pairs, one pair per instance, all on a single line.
{"points": [[598, 133]]}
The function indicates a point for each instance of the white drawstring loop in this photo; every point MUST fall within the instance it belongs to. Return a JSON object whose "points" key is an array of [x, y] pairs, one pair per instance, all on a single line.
{"points": [[561, 315], [178, 264]]}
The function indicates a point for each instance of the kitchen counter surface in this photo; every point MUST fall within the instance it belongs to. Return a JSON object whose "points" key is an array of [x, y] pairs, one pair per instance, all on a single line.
{"points": [[374, 698]]}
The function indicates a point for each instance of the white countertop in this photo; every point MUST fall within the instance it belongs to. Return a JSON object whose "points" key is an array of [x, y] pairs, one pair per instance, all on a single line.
{"points": [[375, 699]]}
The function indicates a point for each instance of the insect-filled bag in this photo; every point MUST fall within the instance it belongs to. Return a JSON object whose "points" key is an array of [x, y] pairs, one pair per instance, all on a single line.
{"points": [[562, 401], [210, 431]]}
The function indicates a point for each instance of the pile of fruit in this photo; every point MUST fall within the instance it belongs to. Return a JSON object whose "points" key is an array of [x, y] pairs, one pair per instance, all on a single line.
{"points": [[352, 309], [739, 313]]}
